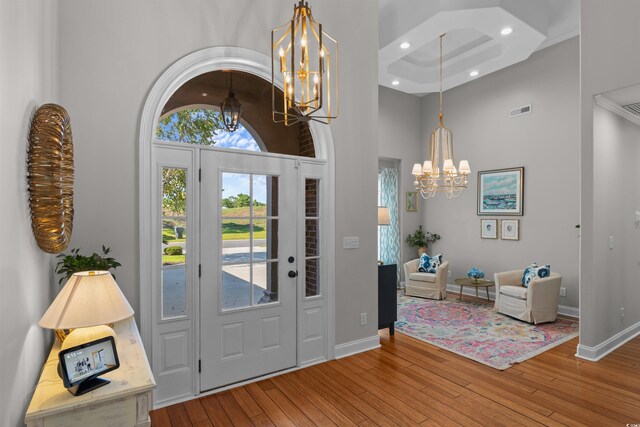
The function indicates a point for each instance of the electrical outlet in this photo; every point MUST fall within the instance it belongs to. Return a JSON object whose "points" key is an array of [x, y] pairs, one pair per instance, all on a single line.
{"points": [[449, 274], [363, 319], [621, 313], [563, 292], [610, 242]]}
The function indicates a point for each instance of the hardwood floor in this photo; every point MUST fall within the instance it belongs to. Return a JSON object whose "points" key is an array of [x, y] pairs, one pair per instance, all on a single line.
{"points": [[408, 383]]}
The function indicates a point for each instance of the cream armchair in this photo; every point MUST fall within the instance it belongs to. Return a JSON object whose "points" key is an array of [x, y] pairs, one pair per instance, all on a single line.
{"points": [[536, 304], [426, 285]]}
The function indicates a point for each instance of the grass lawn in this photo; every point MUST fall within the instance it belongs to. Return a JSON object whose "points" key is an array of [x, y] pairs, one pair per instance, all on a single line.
{"points": [[232, 229], [173, 259]]}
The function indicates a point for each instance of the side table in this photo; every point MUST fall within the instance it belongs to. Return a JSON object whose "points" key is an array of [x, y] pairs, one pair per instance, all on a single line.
{"points": [[481, 283]]}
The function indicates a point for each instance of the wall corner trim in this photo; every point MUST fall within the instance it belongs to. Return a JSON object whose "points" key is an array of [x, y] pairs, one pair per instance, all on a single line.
{"points": [[596, 353], [358, 346]]}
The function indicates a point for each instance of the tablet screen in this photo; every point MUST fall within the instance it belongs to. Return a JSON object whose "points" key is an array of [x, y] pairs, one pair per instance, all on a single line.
{"points": [[89, 360]]}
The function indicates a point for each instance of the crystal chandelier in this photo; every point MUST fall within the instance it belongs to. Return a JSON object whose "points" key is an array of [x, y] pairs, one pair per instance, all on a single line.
{"points": [[429, 177], [230, 109], [306, 58]]}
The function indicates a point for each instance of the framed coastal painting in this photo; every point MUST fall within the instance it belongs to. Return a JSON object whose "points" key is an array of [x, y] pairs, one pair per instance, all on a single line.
{"points": [[501, 192], [510, 229], [412, 201], [489, 228]]}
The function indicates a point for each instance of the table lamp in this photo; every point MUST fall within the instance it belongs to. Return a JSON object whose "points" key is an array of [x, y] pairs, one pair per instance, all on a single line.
{"points": [[87, 303], [383, 219], [383, 216]]}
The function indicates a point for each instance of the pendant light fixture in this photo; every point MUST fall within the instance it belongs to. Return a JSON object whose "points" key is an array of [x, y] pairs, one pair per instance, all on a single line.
{"points": [[305, 58], [431, 177], [231, 108]]}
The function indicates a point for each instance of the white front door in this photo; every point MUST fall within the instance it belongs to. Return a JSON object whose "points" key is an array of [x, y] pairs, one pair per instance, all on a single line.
{"points": [[248, 261]]}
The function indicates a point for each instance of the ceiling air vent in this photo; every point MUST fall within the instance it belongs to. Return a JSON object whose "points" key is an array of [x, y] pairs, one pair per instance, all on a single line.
{"points": [[525, 109], [633, 108]]}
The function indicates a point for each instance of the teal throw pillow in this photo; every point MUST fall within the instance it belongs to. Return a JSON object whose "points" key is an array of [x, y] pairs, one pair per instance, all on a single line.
{"points": [[533, 272], [429, 264], [423, 266]]}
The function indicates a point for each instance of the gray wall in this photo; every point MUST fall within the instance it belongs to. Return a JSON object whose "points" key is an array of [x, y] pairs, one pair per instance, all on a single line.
{"points": [[112, 53], [400, 139], [545, 142], [617, 147], [609, 60], [28, 54]]}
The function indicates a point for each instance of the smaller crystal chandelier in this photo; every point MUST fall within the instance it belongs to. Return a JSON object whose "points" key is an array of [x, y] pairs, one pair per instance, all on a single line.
{"points": [[429, 178], [231, 109], [306, 58]]}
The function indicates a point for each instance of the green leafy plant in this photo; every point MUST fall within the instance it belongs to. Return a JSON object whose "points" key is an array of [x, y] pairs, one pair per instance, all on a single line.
{"points": [[74, 262], [421, 239]]}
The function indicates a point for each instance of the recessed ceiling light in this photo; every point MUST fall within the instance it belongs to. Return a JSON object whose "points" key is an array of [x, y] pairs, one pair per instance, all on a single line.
{"points": [[506, 31], [204, 93], [405, 45], [473, 73], [395, 82]]}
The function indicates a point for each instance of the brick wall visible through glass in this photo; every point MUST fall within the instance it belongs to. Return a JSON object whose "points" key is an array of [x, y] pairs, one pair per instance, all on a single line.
{"points": [[312, 238]]}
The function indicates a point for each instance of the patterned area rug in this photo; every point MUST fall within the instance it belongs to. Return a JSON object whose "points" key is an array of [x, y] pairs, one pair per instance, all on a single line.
{"points": [[477, 332]]}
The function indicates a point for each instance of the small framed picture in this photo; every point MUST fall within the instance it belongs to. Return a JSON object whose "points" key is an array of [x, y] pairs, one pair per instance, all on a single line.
{"points": [[412, 201], [510, 229], [489, 228]]}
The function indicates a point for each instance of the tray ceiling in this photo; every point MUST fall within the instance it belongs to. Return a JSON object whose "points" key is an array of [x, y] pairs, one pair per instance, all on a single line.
{"points": [[474, 40]]}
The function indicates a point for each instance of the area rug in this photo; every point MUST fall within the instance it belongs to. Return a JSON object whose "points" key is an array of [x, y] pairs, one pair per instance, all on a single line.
{"points": [[477, 332]]}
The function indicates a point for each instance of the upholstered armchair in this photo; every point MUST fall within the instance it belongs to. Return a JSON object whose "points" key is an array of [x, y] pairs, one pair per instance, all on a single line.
{"points": [[536, 304], [426, 285]]}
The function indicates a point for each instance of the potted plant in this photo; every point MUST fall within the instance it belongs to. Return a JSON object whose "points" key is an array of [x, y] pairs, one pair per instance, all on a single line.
{"points": [[421, 240], [74, 262]]}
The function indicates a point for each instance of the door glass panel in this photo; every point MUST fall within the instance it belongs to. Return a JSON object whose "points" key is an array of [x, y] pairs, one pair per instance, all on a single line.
{"points": [[236, 286], [312, 277], [312, 244], [249, 239], [265, 240], [266, 282], [312, 237], [174, 242]]}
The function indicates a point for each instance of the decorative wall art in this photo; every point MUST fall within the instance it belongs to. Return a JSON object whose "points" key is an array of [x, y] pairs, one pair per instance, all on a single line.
{"points": [[510, 229], [412, 201], [50, 178], [489, 228], [501, 191]]}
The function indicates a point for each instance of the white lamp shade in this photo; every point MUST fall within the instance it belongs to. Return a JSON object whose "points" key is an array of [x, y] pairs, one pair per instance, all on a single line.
{"points": [[89, 298], [448, 165], [464, 167], [383, 216], [417, 169], [427, 167]]}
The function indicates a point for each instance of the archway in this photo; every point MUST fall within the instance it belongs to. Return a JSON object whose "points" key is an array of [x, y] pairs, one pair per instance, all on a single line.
{"points": [[158, 336]]}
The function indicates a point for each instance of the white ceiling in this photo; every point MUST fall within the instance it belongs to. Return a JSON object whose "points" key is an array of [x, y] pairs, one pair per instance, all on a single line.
{"points": [[472, 42]]}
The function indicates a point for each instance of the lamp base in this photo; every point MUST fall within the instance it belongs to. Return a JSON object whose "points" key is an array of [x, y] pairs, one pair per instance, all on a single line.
{"points": [[62, 334], [82, 335]]}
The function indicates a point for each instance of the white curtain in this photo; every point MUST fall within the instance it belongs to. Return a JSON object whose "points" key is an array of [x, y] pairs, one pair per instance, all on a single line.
{"points": [[389, 235]]}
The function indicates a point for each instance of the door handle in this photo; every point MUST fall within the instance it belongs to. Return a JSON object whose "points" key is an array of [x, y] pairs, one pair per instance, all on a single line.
{"points": [[293, 274]]}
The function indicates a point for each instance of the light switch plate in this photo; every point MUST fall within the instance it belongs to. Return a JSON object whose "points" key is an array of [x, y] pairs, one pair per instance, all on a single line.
{"points": [[350, 242]]}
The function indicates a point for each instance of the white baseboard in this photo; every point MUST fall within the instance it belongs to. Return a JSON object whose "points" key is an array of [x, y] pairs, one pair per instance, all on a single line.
{"points": [[357, 346], [596, 353], [564, 310]]}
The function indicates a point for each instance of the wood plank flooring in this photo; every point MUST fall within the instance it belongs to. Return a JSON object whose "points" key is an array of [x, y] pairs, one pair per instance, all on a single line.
{"points": [[410, 383]]}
